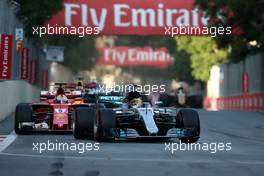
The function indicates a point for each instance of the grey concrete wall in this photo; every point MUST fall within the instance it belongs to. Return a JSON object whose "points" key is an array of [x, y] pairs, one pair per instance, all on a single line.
{"points": [[232, 74], [14, 92], [255, 67]]}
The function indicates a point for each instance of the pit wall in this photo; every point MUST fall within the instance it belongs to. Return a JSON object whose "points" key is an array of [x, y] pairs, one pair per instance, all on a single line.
{"points": [[228, 89], [14, 92]]}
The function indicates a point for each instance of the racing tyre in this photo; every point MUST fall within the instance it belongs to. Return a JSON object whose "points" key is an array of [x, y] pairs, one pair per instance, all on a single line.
{"points": [[83, 124], [23, 114], [190, 122], [106, 122]]}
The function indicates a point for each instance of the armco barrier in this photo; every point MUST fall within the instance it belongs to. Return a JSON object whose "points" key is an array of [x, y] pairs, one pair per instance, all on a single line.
{"points": [[14, 92], [247, 102]]}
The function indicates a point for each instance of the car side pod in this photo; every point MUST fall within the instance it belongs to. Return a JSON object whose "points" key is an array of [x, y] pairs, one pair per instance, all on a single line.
{"points": [[190, 125]]}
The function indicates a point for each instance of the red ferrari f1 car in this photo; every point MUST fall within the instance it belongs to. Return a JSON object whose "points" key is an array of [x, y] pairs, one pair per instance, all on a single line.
{"points": [[54, 112]]}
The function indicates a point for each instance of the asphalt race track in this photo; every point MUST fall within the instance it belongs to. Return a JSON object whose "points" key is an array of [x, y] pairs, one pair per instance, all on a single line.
{"points": [[244, 130]]}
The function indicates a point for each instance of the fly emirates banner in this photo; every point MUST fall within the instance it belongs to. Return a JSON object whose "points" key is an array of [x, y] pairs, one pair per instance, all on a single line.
{"points": [[129, 17], [138, 56]]}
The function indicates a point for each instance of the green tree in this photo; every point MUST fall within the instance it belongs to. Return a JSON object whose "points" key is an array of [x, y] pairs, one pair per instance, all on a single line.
{"points": [[181, 67], [82, 56], [203, 52], [246, 19], [37, 12], [79, 54]]}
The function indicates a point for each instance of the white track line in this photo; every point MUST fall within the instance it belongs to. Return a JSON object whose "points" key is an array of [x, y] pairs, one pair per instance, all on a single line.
{"points": [[7, 141], [245, 162], [108, 158]]}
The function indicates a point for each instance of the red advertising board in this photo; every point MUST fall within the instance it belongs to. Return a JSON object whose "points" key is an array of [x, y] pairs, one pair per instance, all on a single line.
{"points": [[33, 72], [245, 102], [127, 56], [127, 17], [45, 79], [6, 57], [24, 64]]}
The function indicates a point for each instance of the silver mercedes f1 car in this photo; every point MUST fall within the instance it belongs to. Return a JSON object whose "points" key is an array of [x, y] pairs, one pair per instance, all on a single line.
{"points": [[135, 119]]}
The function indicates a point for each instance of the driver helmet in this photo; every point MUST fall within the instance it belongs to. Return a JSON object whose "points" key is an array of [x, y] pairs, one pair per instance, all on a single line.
{"points": [[135, 103], [134, 99], [91, 88], [61, 97], [180, 90], [79, 85]]}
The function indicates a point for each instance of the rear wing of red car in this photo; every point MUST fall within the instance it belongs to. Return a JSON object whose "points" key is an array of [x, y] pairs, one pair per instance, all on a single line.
{"points": [[44, 95]]}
